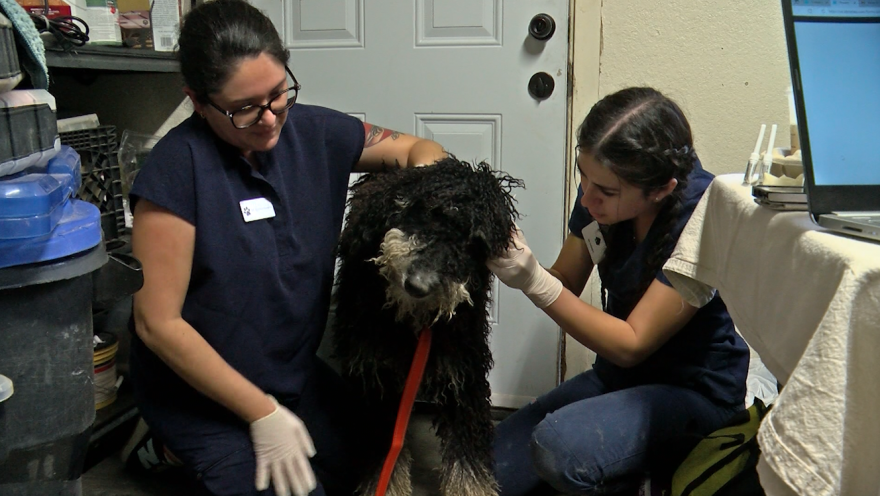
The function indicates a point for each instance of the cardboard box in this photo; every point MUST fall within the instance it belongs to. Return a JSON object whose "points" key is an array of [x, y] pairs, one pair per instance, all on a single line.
{"points": [[135, 24], [143, 27], [100, 15], [165, 17]]}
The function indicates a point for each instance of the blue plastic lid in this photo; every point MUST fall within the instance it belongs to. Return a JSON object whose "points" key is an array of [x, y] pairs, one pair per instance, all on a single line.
{"points": [[31, 201], [78, 229], [12, 228], [39, 189], [66, 163]]}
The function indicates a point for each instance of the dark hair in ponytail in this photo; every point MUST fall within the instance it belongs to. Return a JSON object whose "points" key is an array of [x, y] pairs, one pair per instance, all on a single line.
{"points": [[216, 35], [644, 138]]}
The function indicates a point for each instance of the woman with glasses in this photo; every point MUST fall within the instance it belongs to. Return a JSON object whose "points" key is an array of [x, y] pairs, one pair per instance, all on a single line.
{"points": [[236, 216]]}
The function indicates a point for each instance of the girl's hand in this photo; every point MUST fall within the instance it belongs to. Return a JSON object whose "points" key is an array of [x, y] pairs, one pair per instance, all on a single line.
{"points": [[519, 269]]}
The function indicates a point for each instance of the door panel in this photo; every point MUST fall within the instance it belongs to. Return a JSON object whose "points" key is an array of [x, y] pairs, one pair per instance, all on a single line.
{"points": [[456, 71]]}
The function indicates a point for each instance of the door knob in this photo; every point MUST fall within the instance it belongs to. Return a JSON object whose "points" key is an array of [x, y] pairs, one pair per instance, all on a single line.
{"points": [[541, 85], [542, 27]]}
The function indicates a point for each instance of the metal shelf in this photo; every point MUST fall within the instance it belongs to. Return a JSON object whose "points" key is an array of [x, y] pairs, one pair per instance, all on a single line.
{"points": [[112, 58]]}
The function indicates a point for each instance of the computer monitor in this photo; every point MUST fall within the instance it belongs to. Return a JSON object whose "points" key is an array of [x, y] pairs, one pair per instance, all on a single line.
{"points": [[834, 51]]}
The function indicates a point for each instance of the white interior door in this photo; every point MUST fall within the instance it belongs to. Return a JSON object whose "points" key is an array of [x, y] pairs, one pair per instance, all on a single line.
{"points": [[456, 71]]}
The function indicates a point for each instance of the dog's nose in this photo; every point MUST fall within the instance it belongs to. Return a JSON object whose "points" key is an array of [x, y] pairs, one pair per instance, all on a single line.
{"points": [[418, 286]]}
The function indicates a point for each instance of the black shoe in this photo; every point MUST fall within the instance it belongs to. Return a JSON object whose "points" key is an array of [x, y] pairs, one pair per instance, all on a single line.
{"points": [[144, 453]]}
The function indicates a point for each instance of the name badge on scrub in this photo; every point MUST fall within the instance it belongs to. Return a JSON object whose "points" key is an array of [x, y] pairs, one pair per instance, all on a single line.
{"points": [[595, 242], [256, 209]]}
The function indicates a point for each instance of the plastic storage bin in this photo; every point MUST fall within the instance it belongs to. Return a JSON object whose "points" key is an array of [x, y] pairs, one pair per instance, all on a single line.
{"points": [[97, 139], [32, 202], [101, 175], [78, 226], [46, 291], [10, 70], [28, 130], [102, 186]]}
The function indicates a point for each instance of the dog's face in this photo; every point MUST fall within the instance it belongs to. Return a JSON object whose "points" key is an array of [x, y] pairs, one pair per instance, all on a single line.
{"points": [[431, 231]]}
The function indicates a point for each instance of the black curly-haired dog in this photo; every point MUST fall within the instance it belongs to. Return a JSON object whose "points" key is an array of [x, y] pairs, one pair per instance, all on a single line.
{"points": [[413, 254]]}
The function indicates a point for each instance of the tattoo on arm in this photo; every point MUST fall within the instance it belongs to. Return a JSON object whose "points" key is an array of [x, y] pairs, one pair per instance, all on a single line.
{"points": [[375, 134]]}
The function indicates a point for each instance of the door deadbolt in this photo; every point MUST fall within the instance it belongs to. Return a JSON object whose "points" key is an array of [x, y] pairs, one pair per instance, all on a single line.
{"points": [[541, 85], [542, 27]]}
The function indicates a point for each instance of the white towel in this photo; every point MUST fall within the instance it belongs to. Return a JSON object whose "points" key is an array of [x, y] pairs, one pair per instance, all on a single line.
{"points": [[808, 301]]}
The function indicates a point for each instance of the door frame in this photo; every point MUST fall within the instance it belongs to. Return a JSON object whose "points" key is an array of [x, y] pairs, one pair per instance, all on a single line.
{"points": [[584, 56]]}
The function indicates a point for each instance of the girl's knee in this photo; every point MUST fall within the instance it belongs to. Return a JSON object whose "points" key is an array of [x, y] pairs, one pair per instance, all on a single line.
{"points": [[556, 464]]}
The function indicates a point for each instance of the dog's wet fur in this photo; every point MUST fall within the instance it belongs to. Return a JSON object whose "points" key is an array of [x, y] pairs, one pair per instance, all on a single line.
{"points": [[413, 254]]}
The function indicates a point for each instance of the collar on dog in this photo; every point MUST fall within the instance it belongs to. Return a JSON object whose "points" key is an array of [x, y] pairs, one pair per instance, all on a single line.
{"points": [[416, 370]]}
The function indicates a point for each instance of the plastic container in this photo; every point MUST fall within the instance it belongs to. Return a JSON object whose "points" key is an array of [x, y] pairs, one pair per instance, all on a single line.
{"points": [[28, 130], [77, 123], [134, 148], [78, 229], [101, 175], [6, 388], [46, 351], [102, 186], [67, 162], [100, 139], [32, 202], [10, 70]]}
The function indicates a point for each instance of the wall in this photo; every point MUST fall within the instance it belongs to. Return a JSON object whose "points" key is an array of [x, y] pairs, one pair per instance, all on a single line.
{"points": [[725, 63]]}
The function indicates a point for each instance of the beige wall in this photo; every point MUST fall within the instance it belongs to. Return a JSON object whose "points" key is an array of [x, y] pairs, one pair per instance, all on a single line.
{"points": [[725, 63]]}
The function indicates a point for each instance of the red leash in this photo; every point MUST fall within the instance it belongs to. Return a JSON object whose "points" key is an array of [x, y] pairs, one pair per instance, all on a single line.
{"points": [[416, 370]]}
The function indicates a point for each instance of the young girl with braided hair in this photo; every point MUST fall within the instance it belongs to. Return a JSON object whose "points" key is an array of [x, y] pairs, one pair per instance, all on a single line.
{"points": [[666, 372]]}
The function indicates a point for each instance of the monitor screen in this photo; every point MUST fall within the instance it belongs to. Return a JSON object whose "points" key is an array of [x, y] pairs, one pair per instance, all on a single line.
{"points": [[838, 48], [835, 8]]}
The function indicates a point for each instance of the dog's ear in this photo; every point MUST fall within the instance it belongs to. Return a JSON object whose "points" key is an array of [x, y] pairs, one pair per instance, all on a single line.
{"points": [[494, 223], [371, 203], [481, 243]]}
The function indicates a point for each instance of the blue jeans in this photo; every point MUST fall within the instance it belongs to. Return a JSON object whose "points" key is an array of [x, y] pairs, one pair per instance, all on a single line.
{"points": [[582, 438]]}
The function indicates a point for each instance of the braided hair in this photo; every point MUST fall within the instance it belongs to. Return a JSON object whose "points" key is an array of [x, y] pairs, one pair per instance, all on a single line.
{"points": [[644, 138]]}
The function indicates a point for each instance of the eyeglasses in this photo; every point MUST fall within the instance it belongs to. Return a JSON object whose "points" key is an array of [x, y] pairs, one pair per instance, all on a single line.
{"points": [[249, 115]]}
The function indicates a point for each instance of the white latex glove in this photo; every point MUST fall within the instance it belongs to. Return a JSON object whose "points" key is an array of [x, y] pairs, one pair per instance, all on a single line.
{"points": [[519, 269], [282, 446]]}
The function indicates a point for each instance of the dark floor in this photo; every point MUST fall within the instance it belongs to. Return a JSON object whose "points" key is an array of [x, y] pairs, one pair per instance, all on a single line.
{"points": [[109, 477]]}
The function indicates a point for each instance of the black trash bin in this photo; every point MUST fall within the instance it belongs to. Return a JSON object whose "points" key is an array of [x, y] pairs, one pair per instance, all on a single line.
{"points": [[46, 293]]}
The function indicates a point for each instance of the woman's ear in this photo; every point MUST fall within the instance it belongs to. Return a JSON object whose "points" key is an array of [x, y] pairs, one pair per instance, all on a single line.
{"points": [[199, 108]]}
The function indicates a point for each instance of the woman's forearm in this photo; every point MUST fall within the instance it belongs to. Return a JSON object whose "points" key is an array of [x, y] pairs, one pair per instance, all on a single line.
{"points": [[187, 353]]}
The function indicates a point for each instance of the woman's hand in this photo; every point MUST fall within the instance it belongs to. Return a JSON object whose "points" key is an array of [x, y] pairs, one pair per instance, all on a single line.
{"points": [[519, 269], [282, 446]]}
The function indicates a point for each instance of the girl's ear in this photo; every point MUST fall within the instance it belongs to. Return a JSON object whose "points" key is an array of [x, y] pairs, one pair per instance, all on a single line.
{"points": [[199, 108], [665, 190]]}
